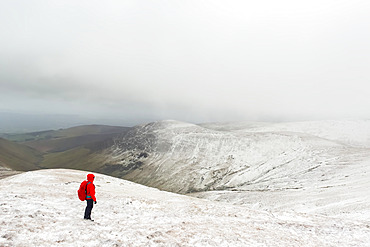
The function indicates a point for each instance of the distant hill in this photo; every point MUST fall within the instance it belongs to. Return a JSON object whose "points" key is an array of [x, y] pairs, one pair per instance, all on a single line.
{"points": [[18, 157], [57, 148], [25, 123], [65, 139], [65, 133]]}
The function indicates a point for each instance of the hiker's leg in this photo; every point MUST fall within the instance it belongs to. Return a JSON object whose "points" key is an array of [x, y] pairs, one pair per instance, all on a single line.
{"points": [[88, 209]]}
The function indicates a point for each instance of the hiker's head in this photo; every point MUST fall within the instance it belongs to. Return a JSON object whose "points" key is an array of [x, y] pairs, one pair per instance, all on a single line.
{"points": [[90, 177]]}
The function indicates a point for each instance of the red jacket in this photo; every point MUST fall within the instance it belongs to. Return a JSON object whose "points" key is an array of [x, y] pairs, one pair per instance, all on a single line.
{"points": [[90, 188]]}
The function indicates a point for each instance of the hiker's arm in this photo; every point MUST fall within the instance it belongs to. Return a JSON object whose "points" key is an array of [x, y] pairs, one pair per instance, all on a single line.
{"points": [[92, 192]]}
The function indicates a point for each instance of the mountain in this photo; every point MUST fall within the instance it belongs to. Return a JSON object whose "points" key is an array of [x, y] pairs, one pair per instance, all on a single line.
{"points": [[248, 165], [184, 158], [305, 167], [41, 208], [352, 133]]}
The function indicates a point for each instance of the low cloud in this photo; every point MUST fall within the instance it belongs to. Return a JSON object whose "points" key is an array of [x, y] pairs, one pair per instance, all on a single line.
{"points": [[193, 61]]}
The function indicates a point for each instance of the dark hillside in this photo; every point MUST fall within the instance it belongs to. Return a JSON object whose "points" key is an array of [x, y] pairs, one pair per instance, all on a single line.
{"points": [[18, 157], [78, 148], [89, 157], [65, 139], [66, 143], [65, 133]]}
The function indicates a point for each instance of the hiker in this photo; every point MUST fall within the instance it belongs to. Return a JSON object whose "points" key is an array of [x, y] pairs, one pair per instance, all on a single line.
{"points": [[90, 196]]}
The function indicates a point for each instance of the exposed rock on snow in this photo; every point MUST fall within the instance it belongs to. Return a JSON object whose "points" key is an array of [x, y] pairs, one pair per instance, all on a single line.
{"points": [[6, 172], [41, 208]]}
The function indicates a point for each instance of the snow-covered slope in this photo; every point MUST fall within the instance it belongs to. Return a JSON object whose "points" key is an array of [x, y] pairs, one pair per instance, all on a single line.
{"points": [[41, 208], [301, 167], [349, 132]]}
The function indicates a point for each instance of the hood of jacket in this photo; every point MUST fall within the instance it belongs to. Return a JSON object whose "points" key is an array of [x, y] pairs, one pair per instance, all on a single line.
{"points": [[90, 177]]}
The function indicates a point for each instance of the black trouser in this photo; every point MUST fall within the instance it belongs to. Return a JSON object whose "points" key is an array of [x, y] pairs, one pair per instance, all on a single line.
{"points": [[89, 207]]}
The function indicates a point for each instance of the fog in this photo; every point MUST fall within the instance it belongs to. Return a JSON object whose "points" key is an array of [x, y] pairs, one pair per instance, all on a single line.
{"points": [[195, 61]]}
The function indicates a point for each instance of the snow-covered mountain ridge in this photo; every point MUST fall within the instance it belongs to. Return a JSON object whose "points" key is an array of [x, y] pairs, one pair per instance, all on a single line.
{"points": [[296, 167], [41, 208], [349, 132], [353, 133]]}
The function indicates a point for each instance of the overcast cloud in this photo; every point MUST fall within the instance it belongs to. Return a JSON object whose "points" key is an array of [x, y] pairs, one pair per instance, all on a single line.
{"points": [[194, 61]]}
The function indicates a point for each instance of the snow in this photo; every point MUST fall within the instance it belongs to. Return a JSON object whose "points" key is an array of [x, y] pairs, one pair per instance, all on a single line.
{"points": [[41, 208], [350, 132], [311, 159], [258, 184], [318, 167]]}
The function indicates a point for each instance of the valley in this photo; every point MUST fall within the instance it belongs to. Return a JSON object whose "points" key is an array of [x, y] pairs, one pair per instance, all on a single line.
{"points": [[320, 167]]}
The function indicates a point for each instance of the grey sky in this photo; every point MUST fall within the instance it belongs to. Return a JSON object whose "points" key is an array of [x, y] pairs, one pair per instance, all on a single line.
{"points": [[195, 60]]}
